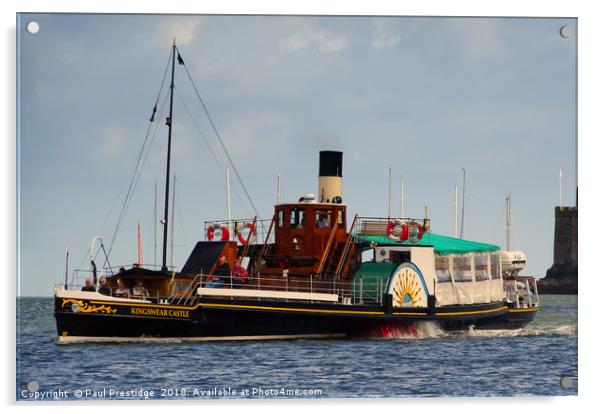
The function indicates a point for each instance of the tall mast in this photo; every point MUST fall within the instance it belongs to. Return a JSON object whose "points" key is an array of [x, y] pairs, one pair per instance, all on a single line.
{"points": [[155, 229], [508, 221], [455, 233], [169, 123], [173, 213]]}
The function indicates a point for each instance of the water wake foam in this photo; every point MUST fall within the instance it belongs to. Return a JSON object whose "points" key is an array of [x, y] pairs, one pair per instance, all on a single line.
{"points": [[432, 330], [564, 330], [419, 330]]}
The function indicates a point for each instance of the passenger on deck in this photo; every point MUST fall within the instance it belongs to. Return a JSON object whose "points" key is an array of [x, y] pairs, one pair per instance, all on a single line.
{"points": [[221, 274], [89, 287], [322, 222], [139, 289], [240, 276], [122, 291], [103, 289]]}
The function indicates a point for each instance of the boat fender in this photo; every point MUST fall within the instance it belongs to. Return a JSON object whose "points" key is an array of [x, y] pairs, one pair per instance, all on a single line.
{"points": [[391, 227], [211, 229], [251, 228]]}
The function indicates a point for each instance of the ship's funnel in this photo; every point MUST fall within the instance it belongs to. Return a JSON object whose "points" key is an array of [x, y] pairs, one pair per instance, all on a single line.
{"points": [[330, 180]]}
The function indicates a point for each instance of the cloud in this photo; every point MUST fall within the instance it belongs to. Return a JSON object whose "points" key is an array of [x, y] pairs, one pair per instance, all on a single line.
{"points": [[245, 132], [183, 28], [385, 41], [384, 37], [479, 38], [312, 38], [113, 141]]}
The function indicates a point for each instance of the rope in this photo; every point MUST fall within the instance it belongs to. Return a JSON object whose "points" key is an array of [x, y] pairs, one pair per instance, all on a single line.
{"points": [[215, 158], [221, 141]]}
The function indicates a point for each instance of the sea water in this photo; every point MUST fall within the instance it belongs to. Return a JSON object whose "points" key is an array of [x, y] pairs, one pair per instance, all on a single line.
{"points": [[540, 359]]}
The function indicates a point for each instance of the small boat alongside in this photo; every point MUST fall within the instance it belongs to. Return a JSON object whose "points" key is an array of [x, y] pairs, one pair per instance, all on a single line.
{"points": [[304, 273]]}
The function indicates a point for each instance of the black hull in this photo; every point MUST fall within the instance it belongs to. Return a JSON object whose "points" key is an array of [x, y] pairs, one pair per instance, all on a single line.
{"points": [[215, 319]]}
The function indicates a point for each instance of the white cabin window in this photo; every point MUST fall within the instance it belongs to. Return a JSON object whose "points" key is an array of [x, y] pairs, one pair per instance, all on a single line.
{"points": [[462, 268], [495, 266], [481, 267], [442, 264]]}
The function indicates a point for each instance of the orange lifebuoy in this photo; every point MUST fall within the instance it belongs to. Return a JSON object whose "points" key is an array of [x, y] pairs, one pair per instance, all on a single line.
{"points": [[391, 227], [224, 230], [251, 228]]}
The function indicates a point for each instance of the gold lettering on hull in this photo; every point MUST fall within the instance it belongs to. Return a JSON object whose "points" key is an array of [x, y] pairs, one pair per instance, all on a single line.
{"points": [[172, 313]]}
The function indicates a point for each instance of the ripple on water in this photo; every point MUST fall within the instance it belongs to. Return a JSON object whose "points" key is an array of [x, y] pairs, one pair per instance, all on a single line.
{"points": [[528, 361]]}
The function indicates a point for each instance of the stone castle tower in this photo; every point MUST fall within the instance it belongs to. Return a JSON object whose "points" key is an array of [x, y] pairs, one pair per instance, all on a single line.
{"points": [[565, 243], [562, 276]]}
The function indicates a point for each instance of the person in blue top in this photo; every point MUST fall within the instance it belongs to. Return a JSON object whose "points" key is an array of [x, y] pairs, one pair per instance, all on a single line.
{"points": [[221, 274]]}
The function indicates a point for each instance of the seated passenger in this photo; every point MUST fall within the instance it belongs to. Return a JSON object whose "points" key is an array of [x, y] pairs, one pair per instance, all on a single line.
{"points": [[89, 287], [103, 289], [240, 276], [221, 274], [139, 289], [122, 291], [322, 222]]}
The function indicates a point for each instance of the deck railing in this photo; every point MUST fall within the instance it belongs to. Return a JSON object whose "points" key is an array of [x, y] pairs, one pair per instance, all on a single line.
{"points": [[242, 226], [347, 292], [377, 226]]}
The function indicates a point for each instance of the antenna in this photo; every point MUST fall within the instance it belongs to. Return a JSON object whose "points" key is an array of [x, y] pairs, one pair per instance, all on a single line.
{"points": [[455, 229], [140, 256], [389, 205], [66, 268], [278, 190], [463, 202], [401, 202], [508, 221], [228, 193], [560, 189]]}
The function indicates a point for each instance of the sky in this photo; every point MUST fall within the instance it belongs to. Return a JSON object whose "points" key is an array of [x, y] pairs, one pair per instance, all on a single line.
{"points": [[426, 97]]}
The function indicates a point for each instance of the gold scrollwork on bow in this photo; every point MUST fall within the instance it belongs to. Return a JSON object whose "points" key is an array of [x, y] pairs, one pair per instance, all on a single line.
{"points": [[87, 308]]}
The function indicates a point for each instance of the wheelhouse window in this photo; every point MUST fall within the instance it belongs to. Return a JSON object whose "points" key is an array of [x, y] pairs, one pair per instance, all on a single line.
{"points": [[297, 218], [323, 219], [341, 218], [280, 219]]}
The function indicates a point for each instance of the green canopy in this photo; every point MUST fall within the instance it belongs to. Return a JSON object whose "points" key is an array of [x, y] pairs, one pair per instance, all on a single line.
{"points": [[369, 273], [443, 245]]}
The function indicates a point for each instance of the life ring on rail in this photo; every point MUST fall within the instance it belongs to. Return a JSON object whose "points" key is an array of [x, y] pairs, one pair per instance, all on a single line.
{"points": [[251, 228], [392, 225], [225, 233], [415, 232]]}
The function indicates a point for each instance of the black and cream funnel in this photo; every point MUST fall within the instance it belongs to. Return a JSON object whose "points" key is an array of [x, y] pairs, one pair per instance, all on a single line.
{"points": [[330, 180]]}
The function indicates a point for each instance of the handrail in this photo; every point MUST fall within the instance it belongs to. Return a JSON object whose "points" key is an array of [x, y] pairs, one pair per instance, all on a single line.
{"points": [[343, 258], [327, 250], [191, 288], [264, 248], [253, 230]]}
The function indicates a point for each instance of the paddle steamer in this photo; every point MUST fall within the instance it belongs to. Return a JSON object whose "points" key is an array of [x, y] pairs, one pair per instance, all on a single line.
{"points": [[310, 274]]}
